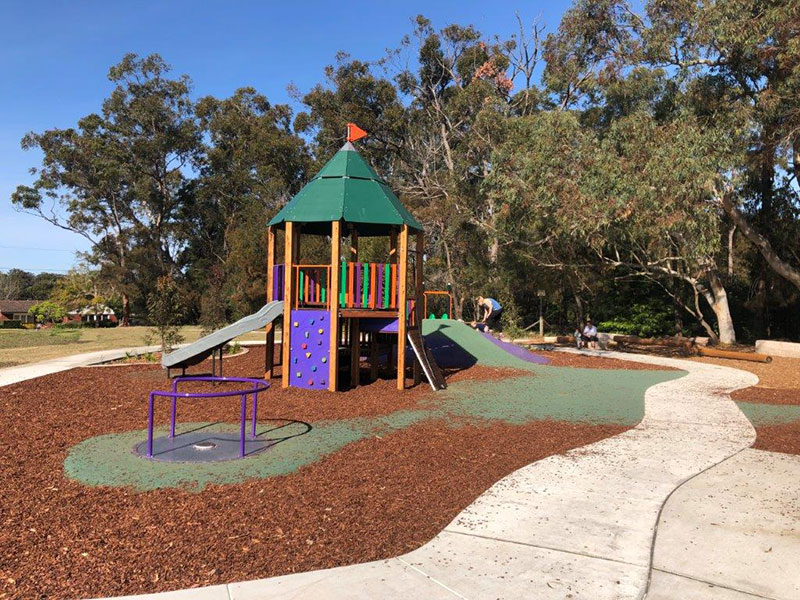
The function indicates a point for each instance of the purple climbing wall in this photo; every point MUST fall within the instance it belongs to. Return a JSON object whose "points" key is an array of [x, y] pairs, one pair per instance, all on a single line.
{"points": [[309, 344]]}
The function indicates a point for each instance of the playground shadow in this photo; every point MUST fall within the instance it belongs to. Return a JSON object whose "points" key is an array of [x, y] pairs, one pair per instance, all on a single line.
{"points": [[183, 447], [447, 352]]}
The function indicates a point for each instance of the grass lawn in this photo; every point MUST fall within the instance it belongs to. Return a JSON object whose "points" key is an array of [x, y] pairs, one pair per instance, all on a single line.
{"points": [[23, 346]]}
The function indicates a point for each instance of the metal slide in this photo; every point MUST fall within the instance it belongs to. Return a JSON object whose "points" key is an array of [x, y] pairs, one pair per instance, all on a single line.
{"points": [[425, 357], [202, 348]]}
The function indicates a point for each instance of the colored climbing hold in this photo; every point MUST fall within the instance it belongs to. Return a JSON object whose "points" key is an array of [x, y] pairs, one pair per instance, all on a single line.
{"points": [[322, 382], [322, 318], [304, 346], [299, 374], [314, 369], [324, 359], [319, 343], [320, 331], [308, 354], [312, 321], [295, 323], [310, 382], [295, 360], [307, 334]]}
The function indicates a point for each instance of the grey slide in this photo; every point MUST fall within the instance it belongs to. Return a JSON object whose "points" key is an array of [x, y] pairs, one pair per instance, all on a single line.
{"points": [[202, 348]]}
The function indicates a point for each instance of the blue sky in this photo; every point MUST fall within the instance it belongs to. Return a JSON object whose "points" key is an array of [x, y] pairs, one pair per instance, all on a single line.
{"points": [[54, 57]]}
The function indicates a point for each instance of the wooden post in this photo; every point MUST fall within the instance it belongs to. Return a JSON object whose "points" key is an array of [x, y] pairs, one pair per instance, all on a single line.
{"points": [[418, 282], [333, 358], [269, 352], [355, 334], [290, 247], [355, 352], [402, 277], [373, 355]]}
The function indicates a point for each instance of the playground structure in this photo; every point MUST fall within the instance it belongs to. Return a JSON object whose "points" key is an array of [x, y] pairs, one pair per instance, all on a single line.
{"points": [[191, 450], [213, 343], [346, 305], [434, 293]]}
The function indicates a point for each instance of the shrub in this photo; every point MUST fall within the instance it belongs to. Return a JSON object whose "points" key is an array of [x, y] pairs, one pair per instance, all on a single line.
{"points": [[11, 324], [643, 319], [165, 309]]}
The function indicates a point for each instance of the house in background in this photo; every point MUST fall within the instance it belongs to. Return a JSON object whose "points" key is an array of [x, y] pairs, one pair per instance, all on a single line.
{"points": [[17, 310], [92, 314]]}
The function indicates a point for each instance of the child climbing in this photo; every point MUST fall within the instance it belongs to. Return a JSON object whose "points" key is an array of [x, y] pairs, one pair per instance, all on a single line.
{"points": [[492, 310]]}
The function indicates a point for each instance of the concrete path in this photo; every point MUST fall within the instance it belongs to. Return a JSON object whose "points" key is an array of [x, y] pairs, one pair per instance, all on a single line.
{"points": [[732, 532], [9, 375], [578, 525]]}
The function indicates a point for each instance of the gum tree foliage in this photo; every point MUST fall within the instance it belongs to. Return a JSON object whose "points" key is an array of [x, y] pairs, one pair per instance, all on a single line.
{"points": [[118, 178], [731, 69], [251, 165]]}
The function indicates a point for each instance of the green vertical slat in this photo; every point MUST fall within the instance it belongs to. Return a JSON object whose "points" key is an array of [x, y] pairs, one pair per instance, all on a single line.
{"points": [[342, 284], [324, 284], [365, 283], [386, 285], [300, 290]]}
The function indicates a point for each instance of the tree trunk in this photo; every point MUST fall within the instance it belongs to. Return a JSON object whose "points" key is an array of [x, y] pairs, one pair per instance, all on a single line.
{"points": [[721, 308], [126, 310]]}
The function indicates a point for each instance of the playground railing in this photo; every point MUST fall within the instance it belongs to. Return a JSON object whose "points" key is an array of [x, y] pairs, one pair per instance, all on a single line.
{"points": [[371, 286], [258, 386], [278, 281], [312, 286]]}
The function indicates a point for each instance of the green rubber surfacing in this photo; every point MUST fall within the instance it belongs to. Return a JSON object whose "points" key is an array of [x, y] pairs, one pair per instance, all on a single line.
{"points": [[554, 393]]}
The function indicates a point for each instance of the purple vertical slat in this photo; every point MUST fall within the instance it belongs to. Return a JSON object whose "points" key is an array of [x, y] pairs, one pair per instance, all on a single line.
{"points": [[379, 287]]}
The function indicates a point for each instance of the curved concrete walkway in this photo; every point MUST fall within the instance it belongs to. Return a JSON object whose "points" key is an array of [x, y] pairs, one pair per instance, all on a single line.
{"points": [[577, 525], [9, 375]]}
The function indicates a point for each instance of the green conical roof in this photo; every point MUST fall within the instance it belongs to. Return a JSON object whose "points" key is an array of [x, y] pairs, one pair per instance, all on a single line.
{"points": [[347, 189]]}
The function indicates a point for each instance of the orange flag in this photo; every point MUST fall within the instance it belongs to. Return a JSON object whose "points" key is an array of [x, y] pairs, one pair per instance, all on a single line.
{"points": [[354, 132]]}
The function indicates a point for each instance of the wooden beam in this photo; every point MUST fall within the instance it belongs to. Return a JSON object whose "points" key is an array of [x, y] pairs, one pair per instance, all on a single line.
{"points": [[289, 253], [269, 352], [402, 280], [418, 283], [333, 358], [365, 313]]}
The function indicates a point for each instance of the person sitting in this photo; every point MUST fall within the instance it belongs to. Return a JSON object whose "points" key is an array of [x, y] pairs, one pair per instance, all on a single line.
{"points": [[589, 335], [492, 310]]}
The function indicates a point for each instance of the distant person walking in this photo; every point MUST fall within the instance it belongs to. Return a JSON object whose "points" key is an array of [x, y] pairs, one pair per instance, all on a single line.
{"points": [[492, 310]]}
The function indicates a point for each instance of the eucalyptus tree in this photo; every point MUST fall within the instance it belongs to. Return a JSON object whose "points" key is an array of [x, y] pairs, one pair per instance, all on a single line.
{"points": [[118, 178], [638, 201], [251, 165]]}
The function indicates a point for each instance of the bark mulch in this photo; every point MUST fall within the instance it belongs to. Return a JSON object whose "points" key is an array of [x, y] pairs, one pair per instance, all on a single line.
{"points": [[779, 438], [779, 383], [377, 498], [567, 359], [766, 395]]}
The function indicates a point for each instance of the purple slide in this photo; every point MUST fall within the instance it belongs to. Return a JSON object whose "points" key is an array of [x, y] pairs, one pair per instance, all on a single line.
{"points": [[515, 350]]}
